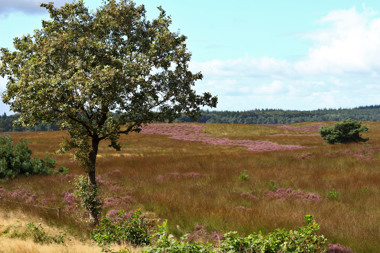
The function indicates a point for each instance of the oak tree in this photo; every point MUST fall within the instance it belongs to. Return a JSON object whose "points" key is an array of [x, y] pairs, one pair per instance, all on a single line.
{"points": [[100, 74]]}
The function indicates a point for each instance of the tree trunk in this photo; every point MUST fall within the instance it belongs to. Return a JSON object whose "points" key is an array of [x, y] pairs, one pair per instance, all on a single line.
{"points": [[93, 213]]}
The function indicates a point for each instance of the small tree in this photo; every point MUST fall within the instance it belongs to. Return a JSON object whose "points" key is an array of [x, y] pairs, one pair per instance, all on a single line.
{"points": [[16, 160], [343, 132], [100, 74]]}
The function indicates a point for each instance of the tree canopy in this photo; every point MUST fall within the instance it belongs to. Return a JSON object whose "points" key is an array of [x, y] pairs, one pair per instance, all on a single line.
{"points": [[100, 74]]}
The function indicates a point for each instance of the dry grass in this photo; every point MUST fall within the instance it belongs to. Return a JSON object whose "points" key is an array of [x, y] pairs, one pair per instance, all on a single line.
{"points": [[192, 183], [13, 224]]}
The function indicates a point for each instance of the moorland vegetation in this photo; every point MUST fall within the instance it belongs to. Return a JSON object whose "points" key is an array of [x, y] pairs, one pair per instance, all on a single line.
{"points": [[207, 189], [102, 75]]}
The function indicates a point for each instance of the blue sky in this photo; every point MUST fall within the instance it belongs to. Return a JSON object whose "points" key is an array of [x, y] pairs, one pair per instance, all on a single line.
{"points": [[293, 54]]}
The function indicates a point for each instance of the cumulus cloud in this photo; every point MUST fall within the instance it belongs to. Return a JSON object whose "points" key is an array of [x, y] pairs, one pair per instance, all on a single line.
{"points": [[26, 6], [340, 69], [351, 44]]}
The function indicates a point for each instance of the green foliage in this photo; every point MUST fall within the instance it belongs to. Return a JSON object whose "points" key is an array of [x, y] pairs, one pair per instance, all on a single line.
{"points": [[304, 239], [343, 132], [333, 195], [243, 176], [16, 160], [40, 236], [123, 228], [63, 170], [99, 75], [88, 194], [272, 185], [166, 242], [109, 72]]}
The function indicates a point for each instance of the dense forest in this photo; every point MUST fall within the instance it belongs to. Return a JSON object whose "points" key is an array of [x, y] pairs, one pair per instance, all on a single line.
{"points": [[276, 116], [258, 116]]}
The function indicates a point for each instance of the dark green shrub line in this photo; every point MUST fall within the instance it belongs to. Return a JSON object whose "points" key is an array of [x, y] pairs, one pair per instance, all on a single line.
{"points": [[135, 229], [304, 239]]}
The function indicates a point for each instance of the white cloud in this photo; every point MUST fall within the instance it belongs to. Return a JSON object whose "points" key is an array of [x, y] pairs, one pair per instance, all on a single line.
{"points": [[276, 87], [26, 6], [351, 44], [341, 68], [343, 59]]}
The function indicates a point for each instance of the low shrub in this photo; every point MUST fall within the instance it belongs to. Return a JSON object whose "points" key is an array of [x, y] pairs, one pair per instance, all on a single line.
{"points": [[243, 176], [123, 228], [304, 239], [16, 160], [333, 195], [40, 236], [343, 132], [166, 242]]}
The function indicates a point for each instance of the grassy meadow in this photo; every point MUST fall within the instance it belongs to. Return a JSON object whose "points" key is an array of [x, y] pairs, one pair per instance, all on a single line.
{"points": [[221, 187]]}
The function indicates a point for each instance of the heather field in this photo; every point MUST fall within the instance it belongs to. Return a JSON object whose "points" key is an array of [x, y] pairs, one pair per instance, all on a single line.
{"points": [[216, 178]]}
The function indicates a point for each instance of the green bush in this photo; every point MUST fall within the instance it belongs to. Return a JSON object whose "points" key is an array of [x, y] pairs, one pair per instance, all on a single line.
{"points": [[243, 176], [343, 132], [16, 160], [333, 195], [166, 242], [123, 228], [304, 239], [40, 236]]}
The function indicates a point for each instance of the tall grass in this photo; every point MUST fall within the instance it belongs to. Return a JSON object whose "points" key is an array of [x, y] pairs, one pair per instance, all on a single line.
{"points": [[192, 183]]}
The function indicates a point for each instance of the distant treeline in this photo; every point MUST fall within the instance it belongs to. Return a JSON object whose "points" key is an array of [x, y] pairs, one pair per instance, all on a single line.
{"points": [[258, 116], [276, 116], [6, 125]]}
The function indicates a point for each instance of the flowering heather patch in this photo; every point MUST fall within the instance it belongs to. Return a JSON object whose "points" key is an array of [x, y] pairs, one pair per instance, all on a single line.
{"points": [[364, 154], [192, 132], [336, 248], [112, 213], [286, 194], [108, 202], [308, 128], [176, 175], [249, 195], [114, 173], [69, 176], [117, 201], [49, 201], [216, 237], [19, 194], [68, 198], [304, 156], [100, 180], [200, 234], [71, 203]]}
